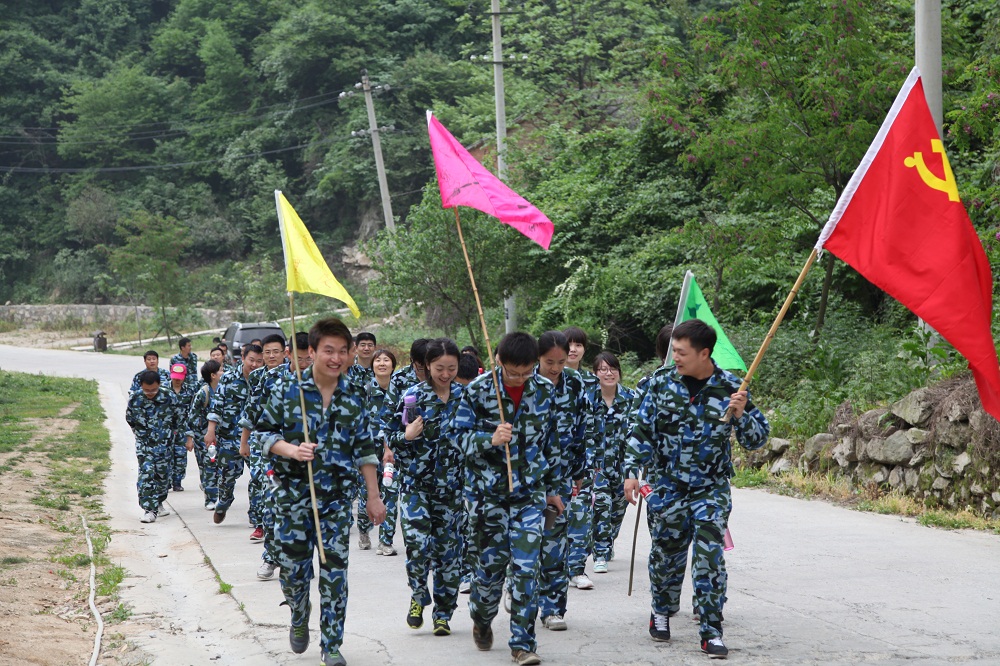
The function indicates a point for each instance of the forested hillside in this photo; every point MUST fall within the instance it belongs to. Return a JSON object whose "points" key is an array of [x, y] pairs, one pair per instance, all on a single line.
{"points": [[142, 140]]}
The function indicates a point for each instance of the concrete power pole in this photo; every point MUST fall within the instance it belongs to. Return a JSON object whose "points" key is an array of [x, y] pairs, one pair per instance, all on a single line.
{"points": [[927, 24], [509, 302], [374, 129]]}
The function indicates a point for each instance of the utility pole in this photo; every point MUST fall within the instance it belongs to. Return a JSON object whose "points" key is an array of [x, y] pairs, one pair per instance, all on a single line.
{"points": [[927, 57], [374, 129], [509, 302], [927, 31]]}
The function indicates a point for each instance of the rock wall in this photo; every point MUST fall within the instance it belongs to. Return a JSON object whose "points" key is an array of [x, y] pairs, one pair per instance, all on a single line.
{"points": [[96, 316], [936, 444]]}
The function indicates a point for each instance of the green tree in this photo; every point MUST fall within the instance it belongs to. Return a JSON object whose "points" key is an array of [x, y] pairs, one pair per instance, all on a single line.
{"points": [[150, 258]]}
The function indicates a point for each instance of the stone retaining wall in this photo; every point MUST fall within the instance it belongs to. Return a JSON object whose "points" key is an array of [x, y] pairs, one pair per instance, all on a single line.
{"points": [[936, 444], [96, 316]]}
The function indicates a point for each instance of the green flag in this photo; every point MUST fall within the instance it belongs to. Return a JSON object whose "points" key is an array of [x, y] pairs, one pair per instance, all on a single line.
{"points": [[694, 306]]}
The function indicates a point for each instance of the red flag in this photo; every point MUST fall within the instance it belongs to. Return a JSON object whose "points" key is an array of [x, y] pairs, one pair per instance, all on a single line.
{"points": [[901, 224], [465, 182]]}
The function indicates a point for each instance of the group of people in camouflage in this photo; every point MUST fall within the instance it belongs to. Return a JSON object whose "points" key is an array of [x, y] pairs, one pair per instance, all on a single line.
{"points": [[506, 482]]}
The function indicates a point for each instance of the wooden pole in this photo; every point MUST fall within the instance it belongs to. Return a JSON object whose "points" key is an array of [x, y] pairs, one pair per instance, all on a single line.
{"points": [[635, 537], [774, 327], [489, 348], [305, 430]]}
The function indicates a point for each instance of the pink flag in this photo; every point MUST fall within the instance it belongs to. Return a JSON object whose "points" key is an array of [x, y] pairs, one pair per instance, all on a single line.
{"points": [[466, 182]]}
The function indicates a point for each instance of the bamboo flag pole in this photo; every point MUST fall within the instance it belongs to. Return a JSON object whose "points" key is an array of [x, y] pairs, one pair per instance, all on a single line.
{"points": [[489, 348], [774, 327], [305, 430], [635, 537]]}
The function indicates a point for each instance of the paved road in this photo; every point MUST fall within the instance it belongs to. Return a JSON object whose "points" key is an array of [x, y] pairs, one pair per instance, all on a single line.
{"points": [[809, 582]]}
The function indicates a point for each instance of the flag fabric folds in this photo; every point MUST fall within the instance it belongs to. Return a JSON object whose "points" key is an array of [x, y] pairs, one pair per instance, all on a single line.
{"points": [[901, 224], [305, 267], [692, 305], [466, 182]]}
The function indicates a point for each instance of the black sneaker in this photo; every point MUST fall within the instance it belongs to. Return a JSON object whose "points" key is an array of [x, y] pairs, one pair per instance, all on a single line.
{"points": [[715, 648], [441, 627], [298, 638], [415, 618], [482, 636], [333, 658], [659, 627]]}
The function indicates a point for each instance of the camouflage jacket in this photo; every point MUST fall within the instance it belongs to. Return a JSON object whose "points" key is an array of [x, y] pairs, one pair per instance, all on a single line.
{"points": [[228, 401], [137, 385], [188, 388], [341, 430], [401, 380], [191, 362], [375, 399], [577, 429], [360, 374], [434, 460], [616, 420], [153, 421], [534, 448], [681, 439], [197, 415], [261, 381]]}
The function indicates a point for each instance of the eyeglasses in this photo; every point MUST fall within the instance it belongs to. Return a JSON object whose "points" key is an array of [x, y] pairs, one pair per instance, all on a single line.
{"points": [[516, 375], [606, 370]]}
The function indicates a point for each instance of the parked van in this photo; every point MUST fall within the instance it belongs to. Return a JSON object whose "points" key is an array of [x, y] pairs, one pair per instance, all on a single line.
{"points": [[240, 333]]}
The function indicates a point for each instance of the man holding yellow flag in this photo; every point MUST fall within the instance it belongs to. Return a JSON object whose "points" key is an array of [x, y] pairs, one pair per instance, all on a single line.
{"points": [[316, 435]]}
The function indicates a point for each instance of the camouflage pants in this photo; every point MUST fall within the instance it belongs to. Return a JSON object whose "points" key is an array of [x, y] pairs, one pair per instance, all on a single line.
{"points": [[270, 553], [154, 473], [676, 518], [258, 480], [432, 532], [507, 529], [390, 497], [295, 539], [580, 529], [609, 511], [553, 579], [178, 462], [229, 463], [206, 470]]}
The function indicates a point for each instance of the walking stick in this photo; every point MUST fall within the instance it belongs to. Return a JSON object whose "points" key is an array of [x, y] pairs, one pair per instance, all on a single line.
{"points": [[635, 537], [305, 431], [489, 348]]}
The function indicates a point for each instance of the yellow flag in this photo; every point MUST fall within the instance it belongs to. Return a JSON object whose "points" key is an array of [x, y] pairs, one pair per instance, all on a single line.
{"points": [[304, 265]]}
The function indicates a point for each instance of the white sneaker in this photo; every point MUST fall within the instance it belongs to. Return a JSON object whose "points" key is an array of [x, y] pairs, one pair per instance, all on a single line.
{"points": [[507, 599], [600, 566], [209, 505], [554, 623], [465, 587], [364, 541], [266, 570], [385, 549], [148, 517], [582, 582], [162, 510]]}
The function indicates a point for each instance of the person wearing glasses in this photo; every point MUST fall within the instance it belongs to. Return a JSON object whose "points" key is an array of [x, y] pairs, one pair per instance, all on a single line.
{"points": [[507, 524], [681, 438], [613, 404], [364, 348]]}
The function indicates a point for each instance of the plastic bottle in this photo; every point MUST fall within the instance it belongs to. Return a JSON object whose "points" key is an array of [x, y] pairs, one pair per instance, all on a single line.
{"points": [[272, 480], [409, 409], [388, 472], [212, 451], [727, 541], [645, 489]]}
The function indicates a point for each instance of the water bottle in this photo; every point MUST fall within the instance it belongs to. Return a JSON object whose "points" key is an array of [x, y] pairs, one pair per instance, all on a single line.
{"points": [[212, 451], [272, 480], [645, 489], [727, 541], [387, 473], [409, 409]]}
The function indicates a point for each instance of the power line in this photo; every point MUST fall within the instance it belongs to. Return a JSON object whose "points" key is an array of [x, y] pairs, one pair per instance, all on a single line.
{"points": [[173, 165]]}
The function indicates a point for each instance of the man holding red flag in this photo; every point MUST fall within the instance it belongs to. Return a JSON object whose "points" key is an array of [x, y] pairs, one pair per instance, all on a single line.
{"points": [[901, 224]]}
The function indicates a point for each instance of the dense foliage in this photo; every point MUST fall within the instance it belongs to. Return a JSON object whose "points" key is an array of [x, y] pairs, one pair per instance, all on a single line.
{"points": [[706, 135]]}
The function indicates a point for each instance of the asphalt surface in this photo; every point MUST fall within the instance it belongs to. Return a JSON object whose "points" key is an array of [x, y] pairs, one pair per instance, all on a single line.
{"points": [[808, 582]]}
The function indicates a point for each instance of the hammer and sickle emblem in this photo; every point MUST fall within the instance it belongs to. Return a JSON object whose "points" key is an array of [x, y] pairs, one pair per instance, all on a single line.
{"points": [[946, 184]]}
